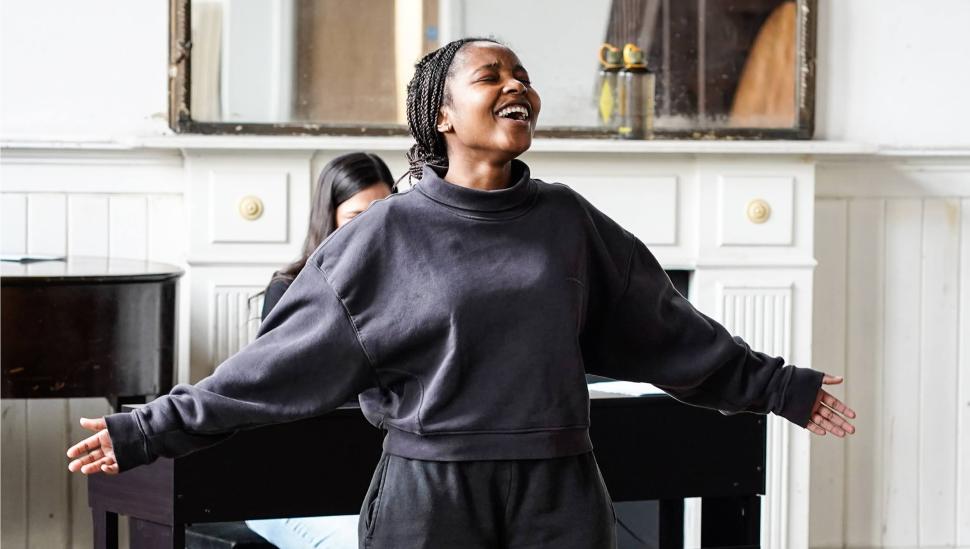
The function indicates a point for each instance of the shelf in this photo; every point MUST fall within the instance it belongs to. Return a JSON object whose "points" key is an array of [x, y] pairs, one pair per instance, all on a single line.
{"points": [[540, 145]]}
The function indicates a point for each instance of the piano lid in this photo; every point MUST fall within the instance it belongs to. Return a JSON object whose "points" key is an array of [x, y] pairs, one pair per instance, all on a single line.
{"points": [[85, 270]]}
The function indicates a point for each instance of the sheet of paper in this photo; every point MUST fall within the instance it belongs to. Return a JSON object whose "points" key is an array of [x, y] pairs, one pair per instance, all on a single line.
{"points": [[29, 258], [625, 388]]}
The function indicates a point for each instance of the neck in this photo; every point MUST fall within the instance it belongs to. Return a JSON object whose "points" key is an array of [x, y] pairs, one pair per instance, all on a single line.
{"points": [[483, 175]]}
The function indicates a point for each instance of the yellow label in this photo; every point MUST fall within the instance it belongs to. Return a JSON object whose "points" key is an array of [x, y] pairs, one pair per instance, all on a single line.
{"points": [[607, 102]]}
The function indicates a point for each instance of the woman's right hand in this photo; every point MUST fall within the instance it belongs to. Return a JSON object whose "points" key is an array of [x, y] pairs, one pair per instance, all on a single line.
{"points": [[94, 454]]}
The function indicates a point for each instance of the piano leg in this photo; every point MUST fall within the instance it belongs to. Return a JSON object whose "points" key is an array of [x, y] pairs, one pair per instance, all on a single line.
{"points": [[145, 534], [731, 521], [670, 524], [105, 529]]}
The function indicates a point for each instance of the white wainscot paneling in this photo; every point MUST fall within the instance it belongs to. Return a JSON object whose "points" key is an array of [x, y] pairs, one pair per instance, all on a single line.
{"points": [[963, 389], [47, 223], [13, 233], [88, 224], [828, 354], [893, 271], [128, 227]]}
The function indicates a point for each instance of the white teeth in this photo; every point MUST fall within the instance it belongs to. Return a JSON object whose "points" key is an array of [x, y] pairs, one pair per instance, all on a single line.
{"points": [[515, 108]]}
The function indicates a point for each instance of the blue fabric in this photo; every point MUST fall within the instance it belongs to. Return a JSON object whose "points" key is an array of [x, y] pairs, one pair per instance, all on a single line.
{"points": [[338, 532]]}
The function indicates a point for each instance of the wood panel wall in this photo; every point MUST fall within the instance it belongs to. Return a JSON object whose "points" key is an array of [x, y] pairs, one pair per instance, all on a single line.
{"points": [[892, 314]]}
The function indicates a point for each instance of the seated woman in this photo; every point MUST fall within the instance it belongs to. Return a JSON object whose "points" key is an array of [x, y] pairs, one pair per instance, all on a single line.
{"points": [[346, 187]]}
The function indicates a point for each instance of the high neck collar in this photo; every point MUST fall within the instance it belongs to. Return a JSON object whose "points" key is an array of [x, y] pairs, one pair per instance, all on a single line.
{"points": [[508, 200]]}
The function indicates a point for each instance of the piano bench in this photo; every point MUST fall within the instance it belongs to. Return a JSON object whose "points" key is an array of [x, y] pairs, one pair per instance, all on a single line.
{"points": [[224, 535]]}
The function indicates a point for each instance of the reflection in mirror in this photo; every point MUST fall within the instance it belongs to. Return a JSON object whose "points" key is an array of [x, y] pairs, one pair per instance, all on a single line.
{"points": [[713, 64]]}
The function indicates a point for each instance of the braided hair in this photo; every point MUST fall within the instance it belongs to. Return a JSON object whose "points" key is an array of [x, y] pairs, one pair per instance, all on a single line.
{"points": [[426, 94]]}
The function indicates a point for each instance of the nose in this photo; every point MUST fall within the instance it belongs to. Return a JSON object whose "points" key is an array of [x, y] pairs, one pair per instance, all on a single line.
{"points": [[513, 85]]}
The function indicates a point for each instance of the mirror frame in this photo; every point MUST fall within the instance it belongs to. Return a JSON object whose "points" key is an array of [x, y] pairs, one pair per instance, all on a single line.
{"points": [[181, 121]]}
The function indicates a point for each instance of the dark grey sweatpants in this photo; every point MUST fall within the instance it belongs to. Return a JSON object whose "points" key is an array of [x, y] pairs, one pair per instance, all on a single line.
{"points": [[557, 503]]}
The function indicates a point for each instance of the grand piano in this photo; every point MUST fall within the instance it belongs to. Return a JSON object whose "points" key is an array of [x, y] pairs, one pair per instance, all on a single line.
{"points": [[648, 448]]}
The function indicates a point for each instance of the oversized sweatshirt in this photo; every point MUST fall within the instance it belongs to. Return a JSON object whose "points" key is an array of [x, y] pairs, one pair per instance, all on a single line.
{"points": [[466, 321]]}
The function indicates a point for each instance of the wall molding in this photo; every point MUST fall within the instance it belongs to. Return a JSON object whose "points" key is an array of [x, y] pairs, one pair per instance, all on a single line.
{"points": [[94, 171], [896, 178]]}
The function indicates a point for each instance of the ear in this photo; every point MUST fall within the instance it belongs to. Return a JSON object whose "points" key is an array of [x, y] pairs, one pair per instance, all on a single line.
{"points": [[443, 124]]}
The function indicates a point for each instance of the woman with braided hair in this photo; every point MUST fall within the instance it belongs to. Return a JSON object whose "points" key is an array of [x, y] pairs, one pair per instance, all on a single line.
{"points": [[465, 313]]}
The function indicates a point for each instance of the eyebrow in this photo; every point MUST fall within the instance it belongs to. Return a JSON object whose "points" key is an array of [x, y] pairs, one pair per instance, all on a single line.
{"points": [[496, 65]]}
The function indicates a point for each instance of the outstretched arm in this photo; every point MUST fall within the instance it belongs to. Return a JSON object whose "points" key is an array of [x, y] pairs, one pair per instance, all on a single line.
{"points": [[647, 331], [306, 361]]}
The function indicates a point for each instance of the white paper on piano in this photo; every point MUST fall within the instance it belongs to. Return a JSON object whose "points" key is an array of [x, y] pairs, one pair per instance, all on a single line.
{"points": [[627, 388]]}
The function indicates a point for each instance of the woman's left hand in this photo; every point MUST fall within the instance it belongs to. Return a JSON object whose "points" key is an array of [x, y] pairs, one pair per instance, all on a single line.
{"points": [[829, 413]]}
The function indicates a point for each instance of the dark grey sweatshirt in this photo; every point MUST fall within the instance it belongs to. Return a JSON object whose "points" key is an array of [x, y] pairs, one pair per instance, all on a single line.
{"points": [[466, 321]]}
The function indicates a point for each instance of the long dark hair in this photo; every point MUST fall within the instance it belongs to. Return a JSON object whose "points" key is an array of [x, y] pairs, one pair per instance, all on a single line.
{"points": [[341, 178], [426, 94]]}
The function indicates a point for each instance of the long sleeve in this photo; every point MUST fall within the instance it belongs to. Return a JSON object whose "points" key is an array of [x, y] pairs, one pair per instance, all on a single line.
{"points": [[274, 292], [646, 331], [305, 361]]}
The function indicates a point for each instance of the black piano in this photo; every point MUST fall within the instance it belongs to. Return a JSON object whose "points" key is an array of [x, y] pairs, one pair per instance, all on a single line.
{"points": [[648, 448], [87, 327]]}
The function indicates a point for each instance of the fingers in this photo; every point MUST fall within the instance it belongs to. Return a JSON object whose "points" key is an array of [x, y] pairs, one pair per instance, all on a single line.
{"points": [[827, 424], [826, 418], [96, 467], [97, 424], [815, 429], [834, 418], [78, 464], [832, 380], [110, 469], [837, 405], [89, 444]]}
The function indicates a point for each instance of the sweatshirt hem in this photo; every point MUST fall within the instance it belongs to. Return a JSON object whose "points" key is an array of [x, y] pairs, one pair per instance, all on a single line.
{"points": [[488, 446]]}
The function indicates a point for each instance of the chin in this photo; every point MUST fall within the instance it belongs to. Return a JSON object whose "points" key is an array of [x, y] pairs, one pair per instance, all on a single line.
{"points": [[516, 147]]}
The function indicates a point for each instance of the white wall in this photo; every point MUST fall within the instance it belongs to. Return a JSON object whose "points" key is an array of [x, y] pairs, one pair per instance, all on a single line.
{"points": [[891, 72], [83, 70], [894, 72]]}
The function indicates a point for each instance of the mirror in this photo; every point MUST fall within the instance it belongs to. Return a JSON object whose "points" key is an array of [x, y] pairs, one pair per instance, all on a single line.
{"points": [[718, 68]]}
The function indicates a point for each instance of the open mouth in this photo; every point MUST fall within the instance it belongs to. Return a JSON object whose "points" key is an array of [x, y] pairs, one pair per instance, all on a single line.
{"points": [[519, 113]]}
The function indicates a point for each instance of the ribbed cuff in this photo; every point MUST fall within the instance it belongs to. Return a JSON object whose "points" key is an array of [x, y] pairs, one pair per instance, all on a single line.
{"points": [[130, 447], [800, 395]]}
